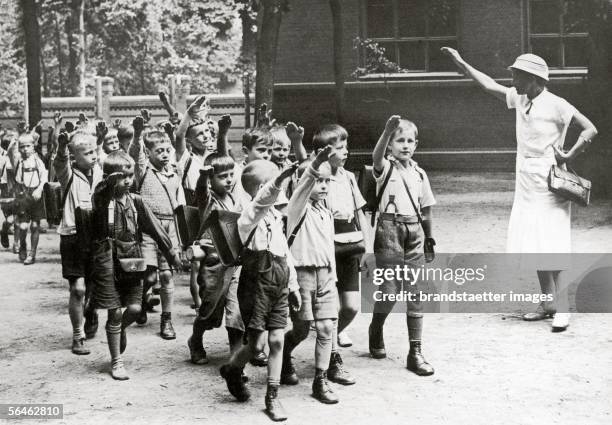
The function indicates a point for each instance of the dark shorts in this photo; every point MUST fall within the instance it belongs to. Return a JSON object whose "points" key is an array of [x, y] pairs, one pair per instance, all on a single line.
{"points": [[318, 293], [109, 293], [28, 209], [75, 261], [263, 291], [398, 243], [347, 270], [217, 289]]}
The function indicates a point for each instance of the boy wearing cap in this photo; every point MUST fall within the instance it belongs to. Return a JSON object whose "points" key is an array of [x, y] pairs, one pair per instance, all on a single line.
{"points": [[540, 221]]}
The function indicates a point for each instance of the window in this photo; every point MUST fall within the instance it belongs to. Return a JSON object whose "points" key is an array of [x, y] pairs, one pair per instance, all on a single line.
{"points": [[412, 31], [558, 32]]}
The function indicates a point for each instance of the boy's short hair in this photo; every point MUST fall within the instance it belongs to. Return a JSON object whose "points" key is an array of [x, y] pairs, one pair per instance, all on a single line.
{"points": [[153, 137], [256, 136], [257, 172], [125, 132], [279, 134], [405, 124], [81, 138], [325, 134], [219, 163], [111, 133], [25, 138], [117, 161]]}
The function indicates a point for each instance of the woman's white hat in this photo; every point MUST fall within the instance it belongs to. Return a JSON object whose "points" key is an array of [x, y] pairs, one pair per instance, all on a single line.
{"points": [[531, 64]]}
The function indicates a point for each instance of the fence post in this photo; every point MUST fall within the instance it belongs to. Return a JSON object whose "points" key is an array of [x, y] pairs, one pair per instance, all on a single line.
{"points": [[182, 90], [104, 91]]}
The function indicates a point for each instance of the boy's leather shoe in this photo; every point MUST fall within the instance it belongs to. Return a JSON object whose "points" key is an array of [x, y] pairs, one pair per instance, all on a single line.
{"points": [[91, 323], [337, 373], [78, 347], [260, 359], [235, 384], [118, 370], [321, 390], [197, 354], [288, 375], [23, 252], [166, 329], [376, 343], [274, 408], [30, 259], [415, 361]]}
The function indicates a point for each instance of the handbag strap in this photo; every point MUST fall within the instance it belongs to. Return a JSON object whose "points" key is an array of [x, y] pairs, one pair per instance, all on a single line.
{"points": [[379, 195]]}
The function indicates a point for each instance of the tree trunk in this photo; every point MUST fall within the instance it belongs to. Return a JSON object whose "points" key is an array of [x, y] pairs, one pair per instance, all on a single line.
{"points": [[249, 37], [73, 83], [338, 35], [267, 41], [80, 9], [32, 53], [58, 42]]}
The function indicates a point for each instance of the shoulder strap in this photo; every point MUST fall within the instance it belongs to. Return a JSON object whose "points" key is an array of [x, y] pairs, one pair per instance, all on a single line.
{"points": [[143, 179], [379, 195], [67, 191], [186, 170], [296, 229], [416, 210], [250, 238]]}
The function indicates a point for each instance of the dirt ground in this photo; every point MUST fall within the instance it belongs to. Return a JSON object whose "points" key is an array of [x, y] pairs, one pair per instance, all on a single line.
{"points": [[490, 368]]}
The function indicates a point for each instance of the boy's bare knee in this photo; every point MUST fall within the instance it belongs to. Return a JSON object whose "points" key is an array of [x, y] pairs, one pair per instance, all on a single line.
{"points": [[34, 226], [114, 316], [165, 278], [325, 328], [77, 287], [134, 309], [275, 341]]}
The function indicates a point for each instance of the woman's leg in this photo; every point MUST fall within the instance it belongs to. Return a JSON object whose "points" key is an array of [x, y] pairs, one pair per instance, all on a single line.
{"points": [[561, 319], [547, 286]]}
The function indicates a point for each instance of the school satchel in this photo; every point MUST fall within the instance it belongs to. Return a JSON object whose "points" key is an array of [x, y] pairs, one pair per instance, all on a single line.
{"points": [[188, 224], [55, 200], [84, 228], [367, 186], [130, 265], [569, 185], [223, 228]]}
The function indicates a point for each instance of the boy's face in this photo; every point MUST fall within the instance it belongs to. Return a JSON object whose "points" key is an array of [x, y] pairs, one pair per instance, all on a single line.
{"points": [[201, 139], [260, 150], [159, 154], [221, 183], [86, 155], [340, 146], [321, 188], [26, 148], [110, 144], [125, 183], [404, 143], [280, 149]]}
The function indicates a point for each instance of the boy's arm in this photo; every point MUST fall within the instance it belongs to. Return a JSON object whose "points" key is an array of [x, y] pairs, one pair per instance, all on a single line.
{"points": [[181, 131], [378, 155], [486, 82], [225, 123], [103, 194], [202, 192], [61, 163], [136, 150], [296, 135]]}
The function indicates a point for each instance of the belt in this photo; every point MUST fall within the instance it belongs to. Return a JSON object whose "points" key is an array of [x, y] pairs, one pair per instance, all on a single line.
{"points": [[398, 218]]}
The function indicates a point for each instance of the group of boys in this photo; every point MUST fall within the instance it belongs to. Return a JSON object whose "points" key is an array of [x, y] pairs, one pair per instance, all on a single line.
{"points": [[118, 236]]}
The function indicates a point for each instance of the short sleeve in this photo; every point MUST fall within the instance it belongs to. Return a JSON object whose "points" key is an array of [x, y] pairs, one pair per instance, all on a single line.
{"points": [[427, 198], [382, 175], [360, 202], [566, 111], [512, 98]]}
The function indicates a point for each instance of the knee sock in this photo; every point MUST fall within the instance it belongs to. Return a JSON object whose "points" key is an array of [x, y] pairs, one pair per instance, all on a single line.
{"points": [[378, 320], [415, 328], [235, 337], [323, 351], [167, 297], [78, 334], [198, 332], [113, 336]]}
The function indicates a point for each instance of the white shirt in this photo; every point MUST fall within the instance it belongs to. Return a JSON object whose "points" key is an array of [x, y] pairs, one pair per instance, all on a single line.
{"points": [[344, 198]]}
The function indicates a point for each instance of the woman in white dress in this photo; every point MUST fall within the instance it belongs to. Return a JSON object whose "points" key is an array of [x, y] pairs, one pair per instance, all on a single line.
{"points": [[540, 221]]}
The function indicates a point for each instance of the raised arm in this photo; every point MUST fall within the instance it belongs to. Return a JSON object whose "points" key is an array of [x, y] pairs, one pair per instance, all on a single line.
{"points": [[486, 82], [296, 135], [136, 149], [181, 131], [378, 155], [225, 123]]}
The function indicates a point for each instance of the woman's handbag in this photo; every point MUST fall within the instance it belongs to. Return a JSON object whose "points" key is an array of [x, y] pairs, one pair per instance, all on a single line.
{"points": [[569, 185]]}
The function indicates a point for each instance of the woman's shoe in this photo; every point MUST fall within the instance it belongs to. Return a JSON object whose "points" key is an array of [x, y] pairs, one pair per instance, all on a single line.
{"points": [[539, 314], [560, 322]]}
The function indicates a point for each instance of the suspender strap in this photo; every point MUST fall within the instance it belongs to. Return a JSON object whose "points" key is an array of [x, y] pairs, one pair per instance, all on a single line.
{"points": [[67, 191], [296, 229], [416, 210], [379, 195], [186, 170]]}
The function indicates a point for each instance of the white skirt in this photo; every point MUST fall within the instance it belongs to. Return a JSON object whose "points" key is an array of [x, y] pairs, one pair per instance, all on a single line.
{"points": [[540, 221]]}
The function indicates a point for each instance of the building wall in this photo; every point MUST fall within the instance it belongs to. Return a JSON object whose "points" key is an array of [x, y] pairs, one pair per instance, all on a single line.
{"points": [[452, 113]]}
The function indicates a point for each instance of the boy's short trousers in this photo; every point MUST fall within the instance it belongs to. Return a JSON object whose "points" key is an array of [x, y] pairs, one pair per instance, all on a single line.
{"points": [[108, 293], [5, 192], [75, 261], [401, 244], [215, 284], [28, 209], [318, 292], [263, 291], [347, 270], [152, 255]]}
